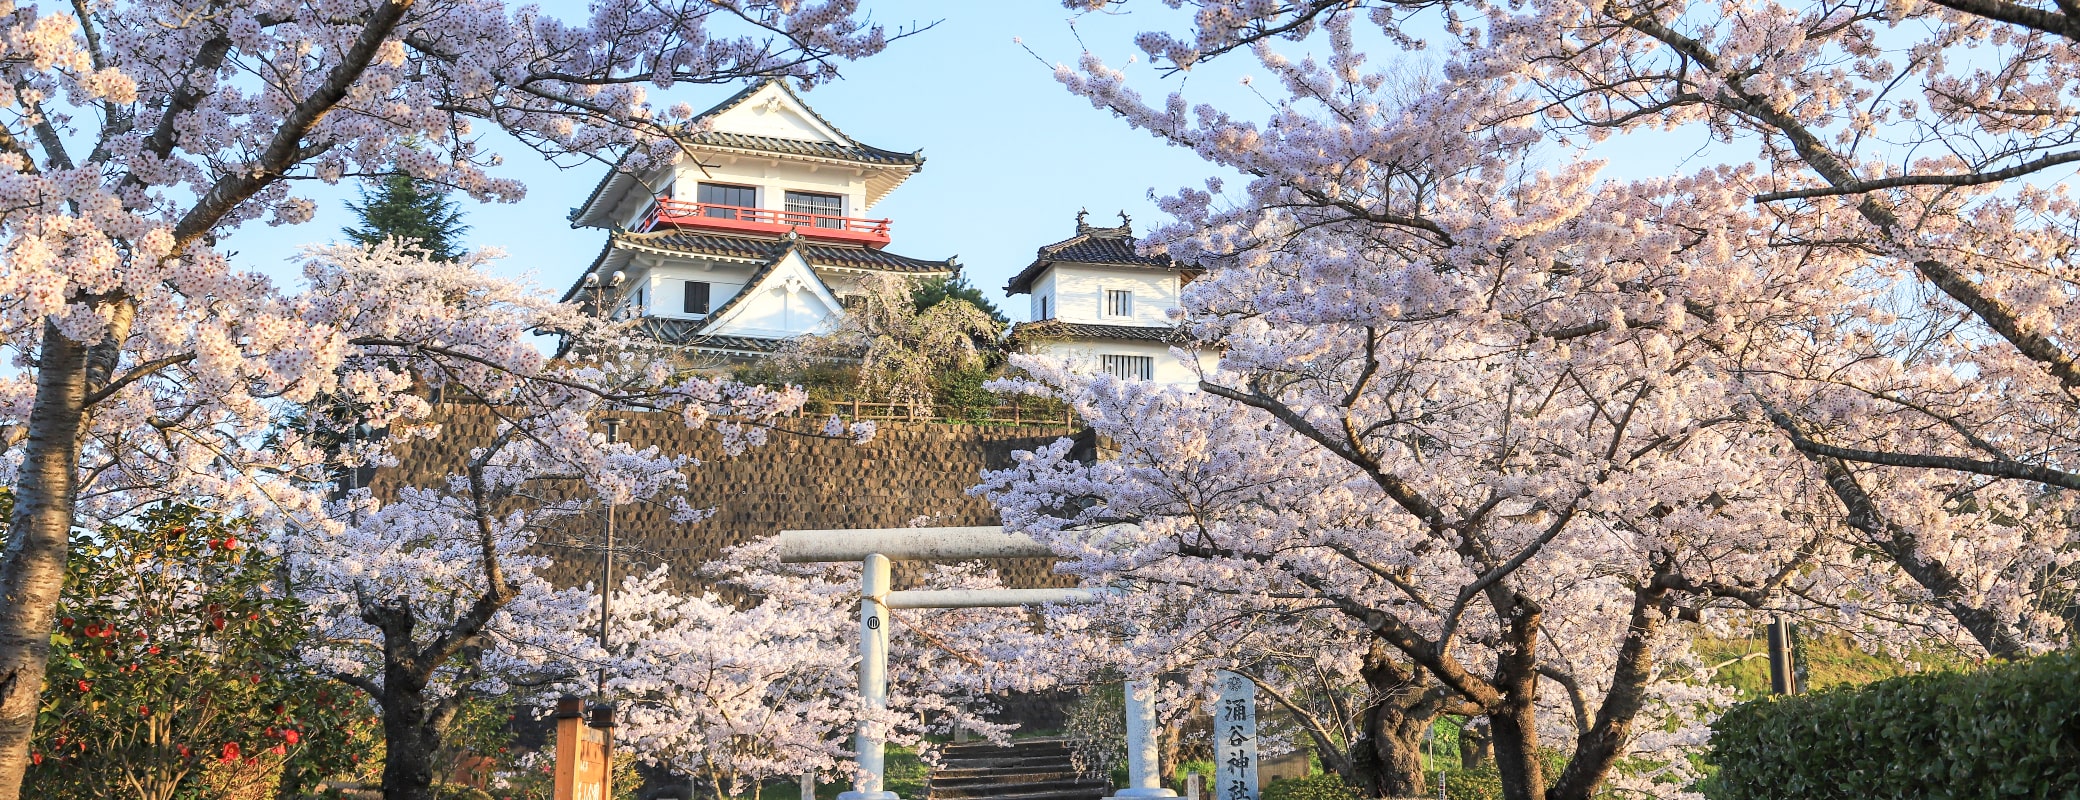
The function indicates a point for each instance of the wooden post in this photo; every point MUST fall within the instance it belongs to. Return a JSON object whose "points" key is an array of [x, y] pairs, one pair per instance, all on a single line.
{"points": [[570, 719], [855, 408], [584, 753], [1017, 412]]}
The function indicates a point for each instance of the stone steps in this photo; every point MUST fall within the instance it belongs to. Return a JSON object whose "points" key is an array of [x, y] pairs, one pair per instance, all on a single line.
{"points": [[1031, 769]]}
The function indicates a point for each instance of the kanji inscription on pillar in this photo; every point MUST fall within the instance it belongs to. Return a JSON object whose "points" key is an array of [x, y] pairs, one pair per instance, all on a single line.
{"points": [[1235, 739]]}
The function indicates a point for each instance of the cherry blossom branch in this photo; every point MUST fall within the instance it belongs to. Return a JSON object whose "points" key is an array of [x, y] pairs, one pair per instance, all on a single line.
{"points": [[286, 148], [2035, 19], [1966, 179], [1992, 469]]}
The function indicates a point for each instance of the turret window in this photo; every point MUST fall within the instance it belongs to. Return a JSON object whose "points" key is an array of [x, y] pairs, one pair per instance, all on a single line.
{"points": [[1132, 368], [723, 194], [697, 293], [1119, 303], [827, 207]]}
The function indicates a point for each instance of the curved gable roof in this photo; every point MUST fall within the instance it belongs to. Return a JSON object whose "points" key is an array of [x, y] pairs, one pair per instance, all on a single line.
{"points": [[1109, 247]]}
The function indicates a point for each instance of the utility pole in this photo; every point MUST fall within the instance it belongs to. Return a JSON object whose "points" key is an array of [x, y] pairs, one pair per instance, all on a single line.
{"points": [[1782, 678], [606, 581]]}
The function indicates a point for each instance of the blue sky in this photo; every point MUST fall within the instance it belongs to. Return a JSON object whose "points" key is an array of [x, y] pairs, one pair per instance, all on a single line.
{"points": [[1011, 156]]}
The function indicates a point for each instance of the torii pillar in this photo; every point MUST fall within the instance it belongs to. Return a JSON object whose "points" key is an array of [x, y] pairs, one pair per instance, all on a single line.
{"points": [[876, 549]]}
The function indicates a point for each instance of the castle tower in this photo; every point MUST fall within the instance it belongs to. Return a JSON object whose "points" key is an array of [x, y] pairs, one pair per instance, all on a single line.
{"points": [[1097, 301], [755, 232]]}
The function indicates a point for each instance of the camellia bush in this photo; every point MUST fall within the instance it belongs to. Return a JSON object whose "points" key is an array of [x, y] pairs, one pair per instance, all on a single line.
{"points": [[175, 672], [2006, 731]]}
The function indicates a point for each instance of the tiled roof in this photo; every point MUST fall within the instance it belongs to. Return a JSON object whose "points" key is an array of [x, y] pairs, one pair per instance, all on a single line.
{"points": [[765, 249], [853, 151], [687, 332], [801, 147], [1057, 329], [1112, 247]]}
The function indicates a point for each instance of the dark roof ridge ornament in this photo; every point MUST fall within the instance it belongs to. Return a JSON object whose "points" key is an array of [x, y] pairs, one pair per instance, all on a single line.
{"points": [[1126, 223], [1083, 224]]}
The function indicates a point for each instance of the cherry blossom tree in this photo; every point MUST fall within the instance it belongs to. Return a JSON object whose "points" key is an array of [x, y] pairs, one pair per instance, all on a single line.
{"points": [[1502, 420], [1929, 140], [140, 135], [765, 684], [904, 351], [437, 593]]}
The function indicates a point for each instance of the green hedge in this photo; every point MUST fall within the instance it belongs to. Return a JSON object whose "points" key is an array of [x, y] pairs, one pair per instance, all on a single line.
{"points": [[2010, 731]]}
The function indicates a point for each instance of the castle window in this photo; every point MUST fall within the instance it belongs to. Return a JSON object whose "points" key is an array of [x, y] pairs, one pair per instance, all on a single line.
{"points": [[1119, 303], [1129, 367], [723, 194], [828, 206], [1043, 308], [697, 294]]}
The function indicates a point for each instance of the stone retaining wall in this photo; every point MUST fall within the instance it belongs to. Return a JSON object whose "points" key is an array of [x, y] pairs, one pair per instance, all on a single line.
{"points": [[909, 471]]}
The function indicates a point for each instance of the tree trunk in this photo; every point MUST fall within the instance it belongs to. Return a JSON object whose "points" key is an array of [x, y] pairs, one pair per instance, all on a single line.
{"points": [[1387, 759], [1476, 744], [1514, 721], [1515, 729], [410, 739], [412, 721], [32, 572]]}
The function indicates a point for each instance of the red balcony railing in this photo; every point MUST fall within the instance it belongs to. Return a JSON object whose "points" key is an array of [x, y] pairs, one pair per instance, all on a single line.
{"points": [[684, 214]]}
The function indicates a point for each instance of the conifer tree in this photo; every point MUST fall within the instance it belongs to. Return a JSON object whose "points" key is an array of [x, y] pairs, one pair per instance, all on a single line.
{"points": [[933, 292], [404, 207]]}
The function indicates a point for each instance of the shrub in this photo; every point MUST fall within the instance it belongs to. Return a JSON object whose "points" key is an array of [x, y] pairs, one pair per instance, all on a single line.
{"points": [[1313, 787], [2007, 731]]}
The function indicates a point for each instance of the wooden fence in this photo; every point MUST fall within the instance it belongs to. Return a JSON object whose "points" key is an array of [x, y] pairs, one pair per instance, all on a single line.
{"points": [[1002, 414]]}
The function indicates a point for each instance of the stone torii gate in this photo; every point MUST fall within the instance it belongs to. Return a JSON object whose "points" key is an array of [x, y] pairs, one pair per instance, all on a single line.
{"points": [[876, 549]]}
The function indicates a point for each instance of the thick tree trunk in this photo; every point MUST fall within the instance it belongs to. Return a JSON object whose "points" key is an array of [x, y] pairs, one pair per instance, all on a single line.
{"points": [[1516, 749], [1514, 721], [1476, 744], [32, 572], [410, 740], [1387, 759]]}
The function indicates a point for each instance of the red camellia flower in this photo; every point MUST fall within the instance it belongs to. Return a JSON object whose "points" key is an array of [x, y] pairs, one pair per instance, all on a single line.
{"points": [[144, 710], [230, 752], [291, 737], [184, 751], [66, 622], [84, 686], [36, 758], [280, 750], [153, 650]]}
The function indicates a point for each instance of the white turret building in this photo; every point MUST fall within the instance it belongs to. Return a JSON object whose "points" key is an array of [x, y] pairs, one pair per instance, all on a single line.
{"points": [[755, 233], [1098, 302]]}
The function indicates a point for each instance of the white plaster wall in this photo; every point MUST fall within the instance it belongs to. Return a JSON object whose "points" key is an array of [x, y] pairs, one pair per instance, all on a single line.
{"points": [[788, 302], [1079, 294], [774, 179], [667, 285], [758, 116], [1085, 356], [1044, 287]]}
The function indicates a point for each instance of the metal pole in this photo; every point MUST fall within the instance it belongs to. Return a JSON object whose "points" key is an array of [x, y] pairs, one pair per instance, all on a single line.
{"points": [[606, 581], [873, 679], [1781, 678], [1144, 773]]}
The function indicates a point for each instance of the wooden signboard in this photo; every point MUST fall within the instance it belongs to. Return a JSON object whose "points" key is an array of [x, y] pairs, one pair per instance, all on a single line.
{"points": [[584, 757]]}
